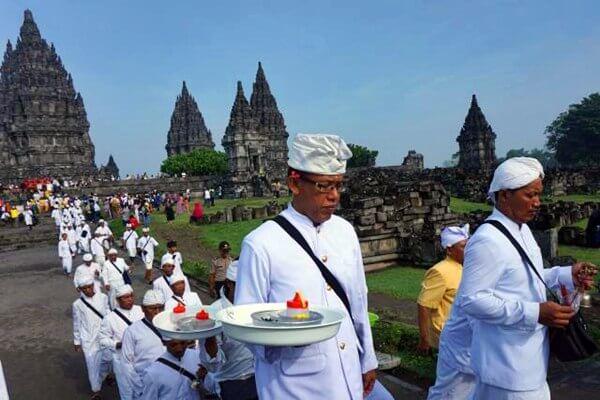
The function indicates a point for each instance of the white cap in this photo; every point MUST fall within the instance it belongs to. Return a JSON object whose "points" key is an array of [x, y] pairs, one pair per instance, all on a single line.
{"points": [[167, 259], [232, 271], [128, 226], [123, 290], [87, 257], [84, 279], [319, 154], [176, 277], [153, 297], [454, 234], [112, 251], [101, 220], [515, 173], [145, 229]]}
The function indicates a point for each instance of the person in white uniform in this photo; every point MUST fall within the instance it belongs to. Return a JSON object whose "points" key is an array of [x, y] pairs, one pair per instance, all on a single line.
{"points": [[146, 245], [174, 375], [106, 234], [57, 217], [111, 336], [115, 273], [28, 217], [180, 294], [142, 343], [89, 267], [97, 249], [65, 254], [83, 237], [163, 282], [229, 361], [72, 239], [272, 266], [503, 297], [88, 312], [129, 242], [175, 255]]}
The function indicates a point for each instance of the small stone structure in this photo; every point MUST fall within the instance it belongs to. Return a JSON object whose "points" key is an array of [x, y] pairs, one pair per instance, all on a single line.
{"points": [[188, 131], [477, 141], [413, 161], [110, 170]]}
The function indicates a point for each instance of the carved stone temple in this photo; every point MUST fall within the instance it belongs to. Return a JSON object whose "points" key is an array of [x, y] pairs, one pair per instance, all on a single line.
{"points": [[477, 141], [188, 131], [110, 170], [43, 122], [255, 140]]}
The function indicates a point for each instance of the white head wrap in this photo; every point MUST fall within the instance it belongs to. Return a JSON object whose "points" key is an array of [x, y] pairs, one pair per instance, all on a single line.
{"points": [[87, 257], [454, 234], [123, 290], [101, 221], [128, 226], [153, 297], [319, 154], [515, 173], [85, 279], [145, 230], [167, 258], [232, 271], [112, 251], [176, 277]]}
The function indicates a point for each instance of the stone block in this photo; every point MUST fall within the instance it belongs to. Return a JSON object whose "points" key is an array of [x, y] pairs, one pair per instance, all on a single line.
{"points": [[259, 212], [381, 217], [416, 202], [368, 202], [366, 220]]}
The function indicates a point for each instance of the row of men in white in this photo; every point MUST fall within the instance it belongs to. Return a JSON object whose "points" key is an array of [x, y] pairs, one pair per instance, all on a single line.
{"points": [[126, 340]]}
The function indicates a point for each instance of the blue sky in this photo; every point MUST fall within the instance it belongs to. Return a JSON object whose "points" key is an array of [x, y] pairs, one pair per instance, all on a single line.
{"points": [[390, 75]]}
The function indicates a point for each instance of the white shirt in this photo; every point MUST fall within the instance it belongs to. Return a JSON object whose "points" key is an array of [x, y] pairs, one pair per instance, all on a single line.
{"points": [[131, 240], [163, 284], [96, 246], [188, 299], [501, 295], [64, 250], [271, 268], [28, 216], [93, 269], [147, 244], [72, 236], [110, 275], [177, 260], [162, 382], [56, 216], [86, 323], [113, 326], [233, 360], [104, 232]]}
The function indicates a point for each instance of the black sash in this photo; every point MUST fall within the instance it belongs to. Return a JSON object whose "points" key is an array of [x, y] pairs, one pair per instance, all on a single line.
{"points": [[125, 275], [126, 240], [177, 368], [91, 307], [166, 280], [152, 328], [177, 300], [123, 317]]}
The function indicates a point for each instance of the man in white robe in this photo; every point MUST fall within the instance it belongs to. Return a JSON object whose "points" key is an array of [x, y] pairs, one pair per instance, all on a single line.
{"points": [[83, 237], [57, 217], [163, 282], [146, 244], [111, 336], [180, 294], [65, 254], [97, 249], [273, 266], [142, 343], [175, 255], [72, 239], [89, 267], [88, 312], [114, 274], [503, 297], [129, 242], [106, 234]]}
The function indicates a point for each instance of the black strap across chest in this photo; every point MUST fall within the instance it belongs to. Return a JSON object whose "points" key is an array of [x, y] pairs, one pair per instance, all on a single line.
{"points": [[327, 274], [115, 265], [177, 368], [122, 316], [177, 299], [91, 307], [152, 328]]}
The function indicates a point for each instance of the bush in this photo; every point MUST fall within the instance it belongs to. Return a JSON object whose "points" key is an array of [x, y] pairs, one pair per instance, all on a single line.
{"points": [[197, 162]]}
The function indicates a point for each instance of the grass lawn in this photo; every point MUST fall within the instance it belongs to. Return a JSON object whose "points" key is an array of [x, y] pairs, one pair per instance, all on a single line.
{"points": [[463, 206], [577, 198], [249, 202], [580, 253], [234, 233], [401, 282]]}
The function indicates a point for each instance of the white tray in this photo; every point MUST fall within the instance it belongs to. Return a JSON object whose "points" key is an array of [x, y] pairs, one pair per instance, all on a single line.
{"points": [[238, 324], [163, 323]]}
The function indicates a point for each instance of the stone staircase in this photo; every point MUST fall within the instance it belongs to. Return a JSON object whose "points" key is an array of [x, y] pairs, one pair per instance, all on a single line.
{"points": [[19, 237]]}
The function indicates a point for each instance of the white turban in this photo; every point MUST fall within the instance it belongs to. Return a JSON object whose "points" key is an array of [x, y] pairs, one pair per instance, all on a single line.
{"points": [[128, 226], [112, 251], [515, 173], [85, 279], [123, 290], [319, 154], [454, 234], [101, 221], [145, 230], [232, 271], [153, 297], [87, 257], [176, 277], [167, 259]]}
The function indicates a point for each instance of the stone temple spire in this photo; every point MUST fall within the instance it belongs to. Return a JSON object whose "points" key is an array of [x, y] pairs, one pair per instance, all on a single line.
{"points": [[477, 146], [264, 105], [43, 122], [188, 131]]}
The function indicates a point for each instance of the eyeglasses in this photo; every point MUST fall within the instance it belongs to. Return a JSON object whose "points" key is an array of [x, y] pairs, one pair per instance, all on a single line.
{"points": [[325, 187]]}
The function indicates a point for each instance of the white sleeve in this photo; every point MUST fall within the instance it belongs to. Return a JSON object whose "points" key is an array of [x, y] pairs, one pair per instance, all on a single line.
{"points": [[105, 336], [128, 348], [556, 276], [76, 325]]}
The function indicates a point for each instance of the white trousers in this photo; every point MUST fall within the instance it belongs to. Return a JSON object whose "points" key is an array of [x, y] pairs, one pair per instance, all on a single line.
{"points": [[451, 384], [100, 259], [98, 367], [483, 391], [122, 374], [148, 265], [67, 264]]}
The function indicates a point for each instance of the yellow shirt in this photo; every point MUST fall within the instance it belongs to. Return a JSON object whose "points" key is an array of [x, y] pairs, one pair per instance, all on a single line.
{"points": [[437, 293]]}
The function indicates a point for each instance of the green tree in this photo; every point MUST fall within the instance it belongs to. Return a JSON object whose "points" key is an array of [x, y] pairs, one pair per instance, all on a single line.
{"points": [[453, 162], [361, 156], [197, 162], [574, 135], [545, 157]]}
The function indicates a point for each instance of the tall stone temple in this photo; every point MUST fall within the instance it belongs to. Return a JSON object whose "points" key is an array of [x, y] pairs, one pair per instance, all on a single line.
{"points": [[43, 122], [476, 141], [255, 140], [188, 131], [110, 170]]}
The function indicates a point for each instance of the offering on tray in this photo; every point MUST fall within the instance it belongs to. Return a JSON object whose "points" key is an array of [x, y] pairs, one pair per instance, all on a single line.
{"points": [[178, 313], [297, 308], [196, 322], [187, 326], [202, 315]]}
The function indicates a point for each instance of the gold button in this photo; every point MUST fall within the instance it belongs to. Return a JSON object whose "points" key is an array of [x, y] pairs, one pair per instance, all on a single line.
{"points": [[342, 345], [328, 287], [324, 258]]}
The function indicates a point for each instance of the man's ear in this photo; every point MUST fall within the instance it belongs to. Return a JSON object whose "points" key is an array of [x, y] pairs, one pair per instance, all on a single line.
{"points": [[293, 185]]}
